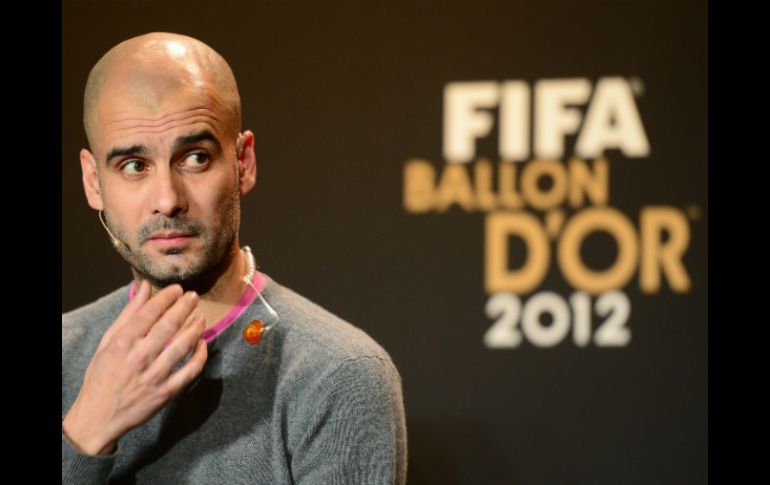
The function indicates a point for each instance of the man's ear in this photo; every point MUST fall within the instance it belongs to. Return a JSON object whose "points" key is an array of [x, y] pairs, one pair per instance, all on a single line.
{"points": [[247, 162], [91, 180]]}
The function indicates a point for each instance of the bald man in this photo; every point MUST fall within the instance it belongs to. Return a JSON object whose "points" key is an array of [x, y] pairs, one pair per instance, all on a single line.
{"points": [[202, 369]]}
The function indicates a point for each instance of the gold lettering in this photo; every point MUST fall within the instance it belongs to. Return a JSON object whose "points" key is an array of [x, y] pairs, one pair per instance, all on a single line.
{"points": [[419, 179], [539, 198], [454, 188], [498, 276], [584, 183], [659, 257], [577, 229]]}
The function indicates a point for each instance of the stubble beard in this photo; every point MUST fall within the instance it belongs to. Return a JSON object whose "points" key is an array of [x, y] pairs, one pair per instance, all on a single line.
{"points": [[199, 274]]}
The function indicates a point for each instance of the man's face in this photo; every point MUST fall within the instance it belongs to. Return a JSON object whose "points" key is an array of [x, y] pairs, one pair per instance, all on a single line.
{"points": [[168, 176]]}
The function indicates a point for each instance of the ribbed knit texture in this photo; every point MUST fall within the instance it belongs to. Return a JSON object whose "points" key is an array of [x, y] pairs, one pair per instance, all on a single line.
{"points": [[317, 401]]}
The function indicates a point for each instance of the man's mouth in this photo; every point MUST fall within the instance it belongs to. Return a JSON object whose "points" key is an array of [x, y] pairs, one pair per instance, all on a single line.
{"points": [[169, 239]]}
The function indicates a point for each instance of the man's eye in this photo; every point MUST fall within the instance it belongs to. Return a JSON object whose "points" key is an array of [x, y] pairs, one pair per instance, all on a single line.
{"points": [[196, 159], [134, 167]]}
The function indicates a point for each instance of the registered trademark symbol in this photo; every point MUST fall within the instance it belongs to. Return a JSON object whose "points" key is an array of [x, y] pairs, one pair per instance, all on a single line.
{"points": [[694, 212], [637, 86]]}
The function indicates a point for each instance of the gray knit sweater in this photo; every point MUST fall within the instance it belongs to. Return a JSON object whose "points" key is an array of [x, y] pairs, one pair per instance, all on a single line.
{"points": [[317, 401]]}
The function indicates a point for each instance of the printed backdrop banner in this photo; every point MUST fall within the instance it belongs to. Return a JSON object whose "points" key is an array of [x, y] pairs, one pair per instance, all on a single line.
{"points": [[510, 197]]}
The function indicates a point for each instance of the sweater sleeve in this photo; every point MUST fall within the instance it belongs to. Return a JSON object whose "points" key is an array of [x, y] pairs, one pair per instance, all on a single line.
{"points": [[81, 469], [356, 432]]}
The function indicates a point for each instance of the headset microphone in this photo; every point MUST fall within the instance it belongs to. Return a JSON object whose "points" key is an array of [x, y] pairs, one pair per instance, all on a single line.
{"points": [[117, 243]]}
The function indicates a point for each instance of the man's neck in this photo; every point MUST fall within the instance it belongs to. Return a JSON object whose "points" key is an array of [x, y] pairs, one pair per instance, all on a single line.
{"points": [[215, 303]]}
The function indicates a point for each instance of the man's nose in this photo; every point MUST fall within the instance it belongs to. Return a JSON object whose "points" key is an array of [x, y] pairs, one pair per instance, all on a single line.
{"points": [[168, 193]]}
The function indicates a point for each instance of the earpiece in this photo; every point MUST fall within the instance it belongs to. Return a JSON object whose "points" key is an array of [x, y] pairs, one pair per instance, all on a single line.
{"points": [[239, 146], [116, 243]]}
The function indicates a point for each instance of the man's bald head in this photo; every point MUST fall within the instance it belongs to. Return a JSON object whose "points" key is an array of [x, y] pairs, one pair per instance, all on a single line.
{"points": [[145, 70]]}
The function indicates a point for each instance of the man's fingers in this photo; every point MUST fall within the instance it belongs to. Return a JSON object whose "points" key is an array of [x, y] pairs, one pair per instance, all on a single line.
{"points": [[144, 319], [169, 324], [140, 298], [182, 344], [190, 369]]}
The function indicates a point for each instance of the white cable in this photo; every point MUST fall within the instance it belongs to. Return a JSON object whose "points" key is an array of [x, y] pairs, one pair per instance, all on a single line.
{"points": [[251, 269]]}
